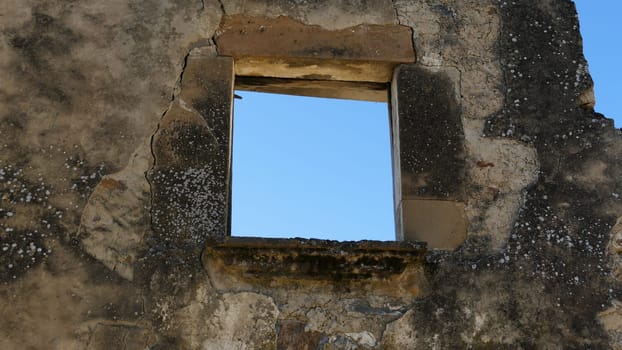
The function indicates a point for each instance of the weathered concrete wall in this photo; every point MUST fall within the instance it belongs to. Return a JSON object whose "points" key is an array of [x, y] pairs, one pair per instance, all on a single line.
{"points": [[91, 257]]}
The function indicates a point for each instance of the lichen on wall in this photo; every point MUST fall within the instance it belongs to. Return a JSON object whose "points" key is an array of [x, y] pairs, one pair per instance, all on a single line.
{"points": [[96, 119]]}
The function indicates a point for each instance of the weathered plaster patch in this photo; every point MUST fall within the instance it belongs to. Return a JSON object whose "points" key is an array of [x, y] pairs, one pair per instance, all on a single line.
{"points": [[615, 249], [115, 218], [233, 321], [329, 14], [344, 318], [118, 335], [54, 304], [499, 171], [400, 334], [363, 338], [611, 320]]}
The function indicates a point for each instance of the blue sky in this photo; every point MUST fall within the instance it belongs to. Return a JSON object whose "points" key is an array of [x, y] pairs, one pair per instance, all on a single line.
{"points": [[601, 28], [311, 167], [324, 170]]}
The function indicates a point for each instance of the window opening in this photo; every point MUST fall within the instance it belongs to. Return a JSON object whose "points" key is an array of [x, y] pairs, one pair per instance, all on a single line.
{"points": [[311, 167]]}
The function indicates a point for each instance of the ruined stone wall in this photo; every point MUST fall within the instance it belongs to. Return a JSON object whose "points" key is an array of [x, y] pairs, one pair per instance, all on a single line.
{"points": [[95, 255]]}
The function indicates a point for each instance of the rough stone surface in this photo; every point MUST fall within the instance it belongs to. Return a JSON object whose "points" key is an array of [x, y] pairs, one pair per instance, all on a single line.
{"points": [[84, 84], [293, 336], [231, 321], [399, 334]]}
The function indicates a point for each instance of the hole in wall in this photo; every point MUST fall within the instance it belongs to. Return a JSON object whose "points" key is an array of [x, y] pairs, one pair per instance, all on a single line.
{"points": [[311, 167]]}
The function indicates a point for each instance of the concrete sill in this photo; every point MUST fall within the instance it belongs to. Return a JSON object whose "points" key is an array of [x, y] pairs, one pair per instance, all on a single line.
{"points": [[244, 261]]}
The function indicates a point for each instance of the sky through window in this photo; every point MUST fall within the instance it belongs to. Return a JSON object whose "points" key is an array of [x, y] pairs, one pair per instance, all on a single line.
{"points": [[311, 167]]}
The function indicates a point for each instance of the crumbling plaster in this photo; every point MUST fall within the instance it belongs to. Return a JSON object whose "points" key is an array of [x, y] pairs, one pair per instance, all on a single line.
{"points": [[87, 85]]}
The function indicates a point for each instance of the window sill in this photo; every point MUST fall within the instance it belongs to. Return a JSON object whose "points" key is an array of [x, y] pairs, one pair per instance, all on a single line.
{"points": [[243, 263]]}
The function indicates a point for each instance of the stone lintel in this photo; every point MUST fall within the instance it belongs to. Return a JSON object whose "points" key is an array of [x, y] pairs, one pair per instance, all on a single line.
{"points": [[284, 48]]}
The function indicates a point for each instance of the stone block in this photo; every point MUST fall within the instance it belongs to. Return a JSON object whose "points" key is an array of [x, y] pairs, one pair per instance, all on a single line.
{"points": [[192, 149], [441, 224], [428, 157], [428, 131], [285, 48]]}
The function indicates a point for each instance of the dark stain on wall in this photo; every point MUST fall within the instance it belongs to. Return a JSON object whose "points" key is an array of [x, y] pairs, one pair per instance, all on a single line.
{"points": [[39, 45]]}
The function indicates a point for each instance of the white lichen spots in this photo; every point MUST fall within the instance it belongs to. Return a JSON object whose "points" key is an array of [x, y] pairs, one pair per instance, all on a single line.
{"points": [[21, 243], [553, 234], [84, 177], [203, 208]]}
